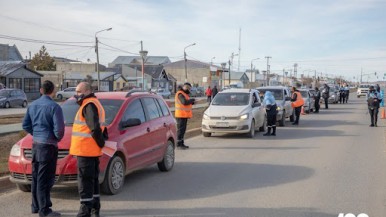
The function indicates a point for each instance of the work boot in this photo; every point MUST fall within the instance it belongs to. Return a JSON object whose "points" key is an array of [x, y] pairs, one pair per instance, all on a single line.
{"points": [[183, 147], [273, 131], [268, 133], [84, 211], [96, 208]]}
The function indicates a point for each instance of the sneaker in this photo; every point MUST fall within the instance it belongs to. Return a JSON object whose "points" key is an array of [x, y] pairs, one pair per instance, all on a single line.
{"points": [[183, 147]]}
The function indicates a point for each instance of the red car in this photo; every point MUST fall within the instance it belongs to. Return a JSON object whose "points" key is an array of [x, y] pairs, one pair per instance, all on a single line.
{"points": [[142, 132]]}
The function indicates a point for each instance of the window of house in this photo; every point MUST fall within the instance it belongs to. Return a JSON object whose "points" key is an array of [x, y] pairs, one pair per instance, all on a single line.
{"points": [[14, 83], [118, 85], [31, 85]]}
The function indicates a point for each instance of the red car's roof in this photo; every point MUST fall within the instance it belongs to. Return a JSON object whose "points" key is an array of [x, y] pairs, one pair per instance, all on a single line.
{"points": [[118, 95]]}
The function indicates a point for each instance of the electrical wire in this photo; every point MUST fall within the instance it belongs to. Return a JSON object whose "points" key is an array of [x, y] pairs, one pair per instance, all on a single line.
{"points": [[117, 49], [58, 43]]}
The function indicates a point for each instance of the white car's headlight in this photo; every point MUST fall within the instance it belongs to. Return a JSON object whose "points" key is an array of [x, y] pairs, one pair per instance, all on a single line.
{"points": [[244, 117], [16, 151], [278, 108], [206, 117]]}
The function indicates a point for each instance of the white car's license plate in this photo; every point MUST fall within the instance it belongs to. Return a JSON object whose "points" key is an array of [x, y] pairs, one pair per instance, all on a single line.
{"points": [[222, 124]]}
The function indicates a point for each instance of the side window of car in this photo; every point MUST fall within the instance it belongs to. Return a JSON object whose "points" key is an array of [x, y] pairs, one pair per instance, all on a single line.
{"points": [[152, 110], [164, 108], [135, 110], [20, 93]]}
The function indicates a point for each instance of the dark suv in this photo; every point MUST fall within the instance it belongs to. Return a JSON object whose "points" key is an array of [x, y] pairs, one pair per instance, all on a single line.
{"points": [[12, 98], [142, 132]]}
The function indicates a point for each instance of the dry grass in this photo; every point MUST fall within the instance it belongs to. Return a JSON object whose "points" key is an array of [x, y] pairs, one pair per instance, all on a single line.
{"points": [[11, 119], [7, 141]]}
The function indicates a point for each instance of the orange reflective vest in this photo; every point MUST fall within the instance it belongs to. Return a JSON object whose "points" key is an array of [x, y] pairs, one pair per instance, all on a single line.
{"points": [[299, 100], [82, 143], [181, 110]]}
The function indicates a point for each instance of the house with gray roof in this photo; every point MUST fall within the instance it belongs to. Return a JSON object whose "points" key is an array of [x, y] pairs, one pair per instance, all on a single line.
{"points": [[137, 60], [9, 53], [71, 79], [15, 74]]}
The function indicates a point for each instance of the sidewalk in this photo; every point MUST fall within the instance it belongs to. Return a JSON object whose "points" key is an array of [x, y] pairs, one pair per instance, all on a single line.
{"points": [[11, 128]]}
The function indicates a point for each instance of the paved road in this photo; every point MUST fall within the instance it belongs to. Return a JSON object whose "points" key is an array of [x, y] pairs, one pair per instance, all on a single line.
{"points": [[332, 163]]}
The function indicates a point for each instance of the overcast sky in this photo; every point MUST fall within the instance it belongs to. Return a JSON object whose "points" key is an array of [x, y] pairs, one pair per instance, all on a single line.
{"points": [[330, 36]]}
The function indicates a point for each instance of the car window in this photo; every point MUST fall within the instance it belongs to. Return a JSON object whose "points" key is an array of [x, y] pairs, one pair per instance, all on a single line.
{"points": [[304, 94], [164, 107], [151, 108], [277, 93], [4, 93], [231, 99], [111, 107], [135, 110]]}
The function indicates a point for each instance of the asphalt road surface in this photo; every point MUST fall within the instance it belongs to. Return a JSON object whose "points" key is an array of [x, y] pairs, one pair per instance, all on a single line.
{"points": [[332, 163]]}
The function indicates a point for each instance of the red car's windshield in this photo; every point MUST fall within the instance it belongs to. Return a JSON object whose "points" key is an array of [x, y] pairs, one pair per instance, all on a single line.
{"points": [[111, 107]]}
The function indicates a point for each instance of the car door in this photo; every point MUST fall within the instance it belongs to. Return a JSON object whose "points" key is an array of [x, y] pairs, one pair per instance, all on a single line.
{"points": [[13, 98], [287, 103], [135, 139], [157, 128], [257, 111]]}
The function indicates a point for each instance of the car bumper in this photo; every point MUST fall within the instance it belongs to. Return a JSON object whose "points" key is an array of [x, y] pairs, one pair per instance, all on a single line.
{"points": [[361, 94], [21, 170], [226, 126]]}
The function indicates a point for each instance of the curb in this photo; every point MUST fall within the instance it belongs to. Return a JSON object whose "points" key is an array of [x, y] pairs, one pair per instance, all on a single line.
{"points": [[6, 184]]}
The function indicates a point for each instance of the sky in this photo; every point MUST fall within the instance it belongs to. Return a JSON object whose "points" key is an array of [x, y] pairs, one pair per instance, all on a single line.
{"points": [[336, 37]]}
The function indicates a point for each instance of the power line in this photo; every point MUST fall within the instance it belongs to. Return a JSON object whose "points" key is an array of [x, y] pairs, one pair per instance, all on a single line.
{"points": [[58, 43], [118, 49]]}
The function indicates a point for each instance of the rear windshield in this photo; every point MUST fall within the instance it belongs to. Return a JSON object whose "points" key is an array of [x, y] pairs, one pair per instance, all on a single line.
{"points": [[111, 107], [231, 99], [277, 93], [364, 86]]}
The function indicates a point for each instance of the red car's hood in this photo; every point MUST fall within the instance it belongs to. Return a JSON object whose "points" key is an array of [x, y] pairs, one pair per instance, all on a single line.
{"points": [[26, 142]]}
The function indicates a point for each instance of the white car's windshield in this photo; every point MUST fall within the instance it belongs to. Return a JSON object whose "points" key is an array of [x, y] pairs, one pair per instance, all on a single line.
{"points": [[231, 99]]}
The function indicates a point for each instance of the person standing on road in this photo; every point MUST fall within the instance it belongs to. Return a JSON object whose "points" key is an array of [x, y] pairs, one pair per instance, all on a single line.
{"points": [[342, 95], [347, 91], [208, 94], [326, 95], [297, 103], [378, 88], [373, 101], [183, 111], [317, 97], [44, 121], [271, 110], [88, 138], [214, 91]]}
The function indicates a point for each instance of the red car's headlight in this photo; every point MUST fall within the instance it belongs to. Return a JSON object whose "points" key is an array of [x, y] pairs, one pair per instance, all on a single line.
{"points": [[16, 151]]}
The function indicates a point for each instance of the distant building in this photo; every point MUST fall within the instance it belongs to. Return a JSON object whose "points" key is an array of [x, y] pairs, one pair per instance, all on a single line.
{"points": [[71, 79], [9, 53]]}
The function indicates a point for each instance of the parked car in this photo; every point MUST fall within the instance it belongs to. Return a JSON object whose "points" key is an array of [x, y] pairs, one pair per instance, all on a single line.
{"points": [[12, 98], [309, 101], [235, 111], [142, 132], [333, 95], [193, 92], [66, 93], [163, 92], [283, 101], [200, 91]]}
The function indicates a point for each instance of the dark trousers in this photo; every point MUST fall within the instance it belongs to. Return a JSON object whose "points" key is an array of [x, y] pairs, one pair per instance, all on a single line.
{"points": [[297, 114], [373, 115], [44, 158], [271, 120], [209, 99], [326, 103], [342, 98], [88, 182], [181, 129], [317, 104]]}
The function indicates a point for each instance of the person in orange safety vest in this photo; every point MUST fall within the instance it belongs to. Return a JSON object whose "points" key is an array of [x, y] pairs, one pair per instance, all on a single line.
{"points": [[87, 141], [183, 111], [297, 103]]}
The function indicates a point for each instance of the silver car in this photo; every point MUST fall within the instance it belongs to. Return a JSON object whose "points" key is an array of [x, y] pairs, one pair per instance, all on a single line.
{"points": [[162, 92], [12, 98], [283, 101], [309, 101], [66, 93]]}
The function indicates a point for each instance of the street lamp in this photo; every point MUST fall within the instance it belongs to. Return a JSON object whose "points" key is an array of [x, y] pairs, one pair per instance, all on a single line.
{"points": [[186, 70], [211, 60], [252, 66], [97, 54], [223, 65], [143, 54]]}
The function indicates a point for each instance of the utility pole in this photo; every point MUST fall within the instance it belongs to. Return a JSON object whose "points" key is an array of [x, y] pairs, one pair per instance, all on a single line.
{"points": [[361, 73], [229, 69], [97, 54], [238, 66], [143, 54], [267, 73]]}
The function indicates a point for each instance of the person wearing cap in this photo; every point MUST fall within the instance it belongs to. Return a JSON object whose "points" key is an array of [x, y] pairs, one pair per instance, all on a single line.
{"points": [[373, 101], [183, 111]]}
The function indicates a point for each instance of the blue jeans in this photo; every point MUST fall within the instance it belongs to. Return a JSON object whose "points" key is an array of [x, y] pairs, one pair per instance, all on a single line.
{"points": [[44, 158]]}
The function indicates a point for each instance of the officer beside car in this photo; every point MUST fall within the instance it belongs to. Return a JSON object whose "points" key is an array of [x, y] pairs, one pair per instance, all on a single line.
{"points": [[317, 97], [326, 95], [183, 111], [373, 101], [271, 111]]}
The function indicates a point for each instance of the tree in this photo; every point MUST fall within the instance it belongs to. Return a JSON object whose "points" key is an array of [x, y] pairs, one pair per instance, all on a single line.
{"points": [[42, 61]]}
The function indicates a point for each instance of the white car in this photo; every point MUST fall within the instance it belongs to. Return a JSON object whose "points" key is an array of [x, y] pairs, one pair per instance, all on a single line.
{"points": [[235, 111], [66, 93], [363, 89]]}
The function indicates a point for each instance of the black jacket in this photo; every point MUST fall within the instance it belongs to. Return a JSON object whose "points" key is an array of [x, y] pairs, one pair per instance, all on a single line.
{"points": [[185, 101]]}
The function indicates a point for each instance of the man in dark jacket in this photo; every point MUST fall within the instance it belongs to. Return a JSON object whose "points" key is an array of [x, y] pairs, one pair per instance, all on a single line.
{"points": [[214, 92], [326, 95], [317, 99], [44, 121]]}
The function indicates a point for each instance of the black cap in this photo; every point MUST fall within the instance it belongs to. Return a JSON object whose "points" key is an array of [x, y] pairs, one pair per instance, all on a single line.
{"points": [[371, 87], [187, 83]]}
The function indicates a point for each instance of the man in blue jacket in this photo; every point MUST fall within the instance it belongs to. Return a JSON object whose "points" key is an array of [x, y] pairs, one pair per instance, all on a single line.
{"points": [[44, 121]]}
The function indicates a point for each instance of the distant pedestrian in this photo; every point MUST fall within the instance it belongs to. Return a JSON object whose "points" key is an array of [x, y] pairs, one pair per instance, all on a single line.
{"points": [[183, 111], [297, 103], [373, 102], [271, 111], [342, 95], [326, 95], [347, 91], [88, 138], [208, 94], [214, 91], [317, 97], [44, 121], [378, 88]]}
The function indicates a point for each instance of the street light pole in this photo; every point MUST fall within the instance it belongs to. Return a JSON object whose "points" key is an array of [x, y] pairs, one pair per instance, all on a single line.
{"points": [[186, 69], [267, 73], [97, 55], [143, 54], [252, 67]]}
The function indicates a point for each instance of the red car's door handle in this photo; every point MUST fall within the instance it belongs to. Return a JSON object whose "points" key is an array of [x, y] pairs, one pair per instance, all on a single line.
{"points": [[165, 125], [148, 130]]}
